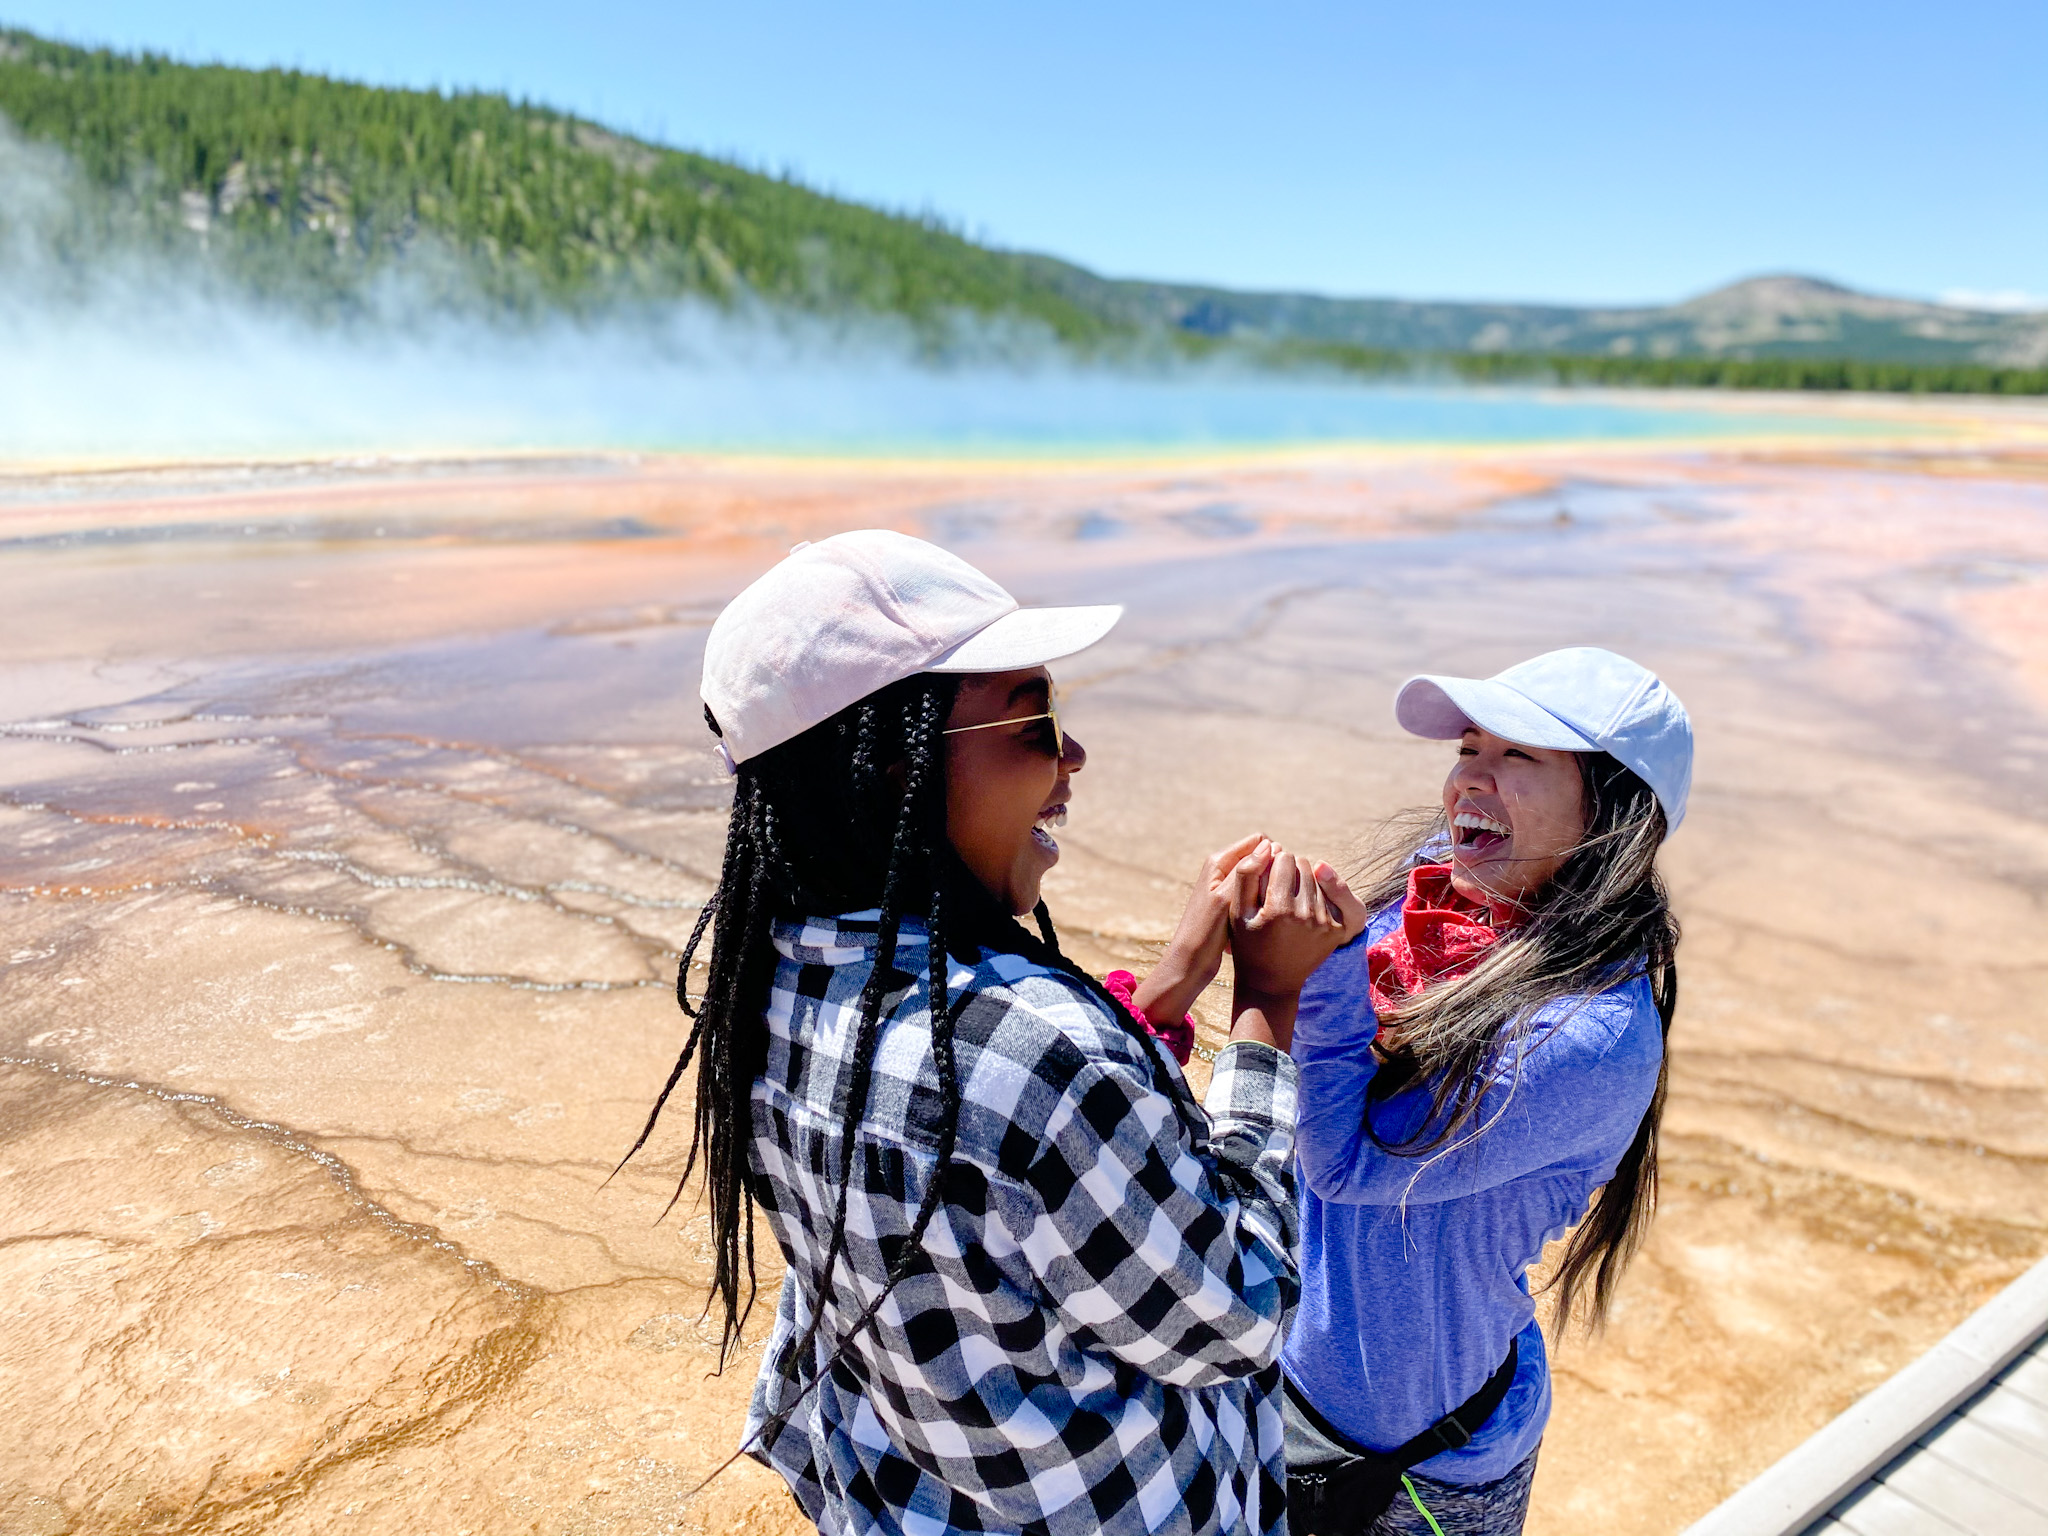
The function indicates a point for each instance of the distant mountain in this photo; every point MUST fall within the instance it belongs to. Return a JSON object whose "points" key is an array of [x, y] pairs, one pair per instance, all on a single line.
{"points": [[1761, 317], [312, 189]]}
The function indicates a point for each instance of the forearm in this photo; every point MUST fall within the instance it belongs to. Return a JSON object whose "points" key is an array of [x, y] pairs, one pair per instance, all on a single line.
{"points": [[1169, 990], [1517, 1128], [1338, 1159], [1264, 1016]]}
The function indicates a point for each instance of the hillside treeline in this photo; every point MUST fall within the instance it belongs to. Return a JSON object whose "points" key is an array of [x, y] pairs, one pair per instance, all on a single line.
{"points": [[1772, 373], [299, 180], [1797, 373]]}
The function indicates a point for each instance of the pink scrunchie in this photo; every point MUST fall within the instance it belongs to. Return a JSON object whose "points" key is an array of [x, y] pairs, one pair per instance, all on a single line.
{"points": [[1178, 1038]]}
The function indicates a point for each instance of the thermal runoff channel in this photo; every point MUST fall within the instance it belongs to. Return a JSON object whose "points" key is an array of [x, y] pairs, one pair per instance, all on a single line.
{"points": [[356, 813]]}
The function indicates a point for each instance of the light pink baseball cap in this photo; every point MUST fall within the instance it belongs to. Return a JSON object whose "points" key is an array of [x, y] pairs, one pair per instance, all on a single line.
{"points": [[840, 618]]}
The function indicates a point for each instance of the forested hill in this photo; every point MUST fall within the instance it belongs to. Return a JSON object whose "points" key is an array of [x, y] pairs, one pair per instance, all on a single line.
{"points": [[304, 181], [310, 188]]}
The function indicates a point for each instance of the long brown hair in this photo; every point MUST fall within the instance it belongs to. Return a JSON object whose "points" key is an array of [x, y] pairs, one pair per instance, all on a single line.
{"points": [[1604, 918]]}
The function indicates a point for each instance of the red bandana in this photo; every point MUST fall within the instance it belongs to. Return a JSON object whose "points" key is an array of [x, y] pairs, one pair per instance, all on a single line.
{"points": [[1440, 935]]}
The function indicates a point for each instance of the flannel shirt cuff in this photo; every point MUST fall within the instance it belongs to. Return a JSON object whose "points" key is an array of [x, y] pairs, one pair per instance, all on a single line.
{"points": [[1254, 1091]]}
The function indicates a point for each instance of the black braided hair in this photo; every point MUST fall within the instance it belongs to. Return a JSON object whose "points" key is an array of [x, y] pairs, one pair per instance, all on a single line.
{"points": [[848, 816]]}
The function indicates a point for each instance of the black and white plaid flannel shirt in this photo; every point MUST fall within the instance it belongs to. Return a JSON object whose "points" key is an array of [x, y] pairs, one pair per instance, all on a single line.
{"points": [[1091, 1341]]}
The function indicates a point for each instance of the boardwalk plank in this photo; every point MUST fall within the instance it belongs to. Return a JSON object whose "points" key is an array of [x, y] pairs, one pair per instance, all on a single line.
{"points": [[2028, 1375], [2016, 1417], [2021, 1471], [1879, 1511], [1976, 1506]]}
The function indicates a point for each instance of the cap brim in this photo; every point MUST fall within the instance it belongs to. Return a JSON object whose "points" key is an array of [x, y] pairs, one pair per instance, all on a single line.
{"points": [[1029, 637], [1444, 708]]}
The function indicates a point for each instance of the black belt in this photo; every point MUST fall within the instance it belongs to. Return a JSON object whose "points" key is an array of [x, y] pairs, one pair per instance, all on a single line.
{"points": [[1343, 1496]]}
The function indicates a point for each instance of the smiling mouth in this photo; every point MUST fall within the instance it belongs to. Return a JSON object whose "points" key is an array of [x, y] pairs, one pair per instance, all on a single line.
{"points": [[1480, 834], [1041, 830]]}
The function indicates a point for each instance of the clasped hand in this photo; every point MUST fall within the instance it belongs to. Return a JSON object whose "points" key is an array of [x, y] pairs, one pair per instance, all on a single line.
{"points": [[1279, 914]]}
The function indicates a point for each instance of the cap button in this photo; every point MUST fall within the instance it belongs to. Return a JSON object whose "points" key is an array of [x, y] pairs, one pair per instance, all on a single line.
{"points": [[797, 549]]}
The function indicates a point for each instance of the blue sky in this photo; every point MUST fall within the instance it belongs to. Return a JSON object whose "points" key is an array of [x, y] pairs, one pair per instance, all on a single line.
{"points": [[1571, 151]]}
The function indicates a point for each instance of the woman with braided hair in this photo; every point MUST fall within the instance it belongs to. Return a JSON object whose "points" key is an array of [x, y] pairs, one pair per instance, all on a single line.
{"points": [[1031, 1284]]}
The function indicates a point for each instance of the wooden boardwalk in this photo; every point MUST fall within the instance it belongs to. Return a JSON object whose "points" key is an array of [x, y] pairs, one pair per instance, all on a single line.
{"points": [[1982, 1471], [1954, 1445]]}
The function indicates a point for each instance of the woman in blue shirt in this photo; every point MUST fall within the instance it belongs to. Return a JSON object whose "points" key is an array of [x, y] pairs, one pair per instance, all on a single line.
{"points": [[1478, 1065]]}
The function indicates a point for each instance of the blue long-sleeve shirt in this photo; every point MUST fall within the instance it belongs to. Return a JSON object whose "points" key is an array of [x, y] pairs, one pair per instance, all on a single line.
{"points": [[1414, 1270]]}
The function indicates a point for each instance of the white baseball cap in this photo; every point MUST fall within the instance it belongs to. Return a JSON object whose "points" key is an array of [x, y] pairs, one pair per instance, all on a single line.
{"points": [[1579, 700], [840, 618]]}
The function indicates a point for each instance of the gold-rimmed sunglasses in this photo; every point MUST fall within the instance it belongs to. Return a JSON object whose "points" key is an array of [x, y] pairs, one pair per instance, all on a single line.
{"points": [[1051, 712]]}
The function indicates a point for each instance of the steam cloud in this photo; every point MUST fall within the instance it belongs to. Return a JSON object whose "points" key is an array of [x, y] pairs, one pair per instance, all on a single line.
{"points": [[114, 346]]}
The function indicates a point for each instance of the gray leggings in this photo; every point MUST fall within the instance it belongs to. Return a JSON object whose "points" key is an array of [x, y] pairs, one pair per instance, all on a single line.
{"points": [[1497, 1508]]}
